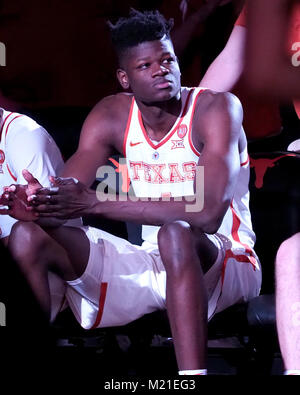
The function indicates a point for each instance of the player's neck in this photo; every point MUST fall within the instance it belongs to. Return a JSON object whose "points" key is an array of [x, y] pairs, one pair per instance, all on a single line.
{"points": [[159, 118]]}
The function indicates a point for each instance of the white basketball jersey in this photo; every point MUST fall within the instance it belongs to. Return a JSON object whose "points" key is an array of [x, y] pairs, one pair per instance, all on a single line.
{"points": [[25, 145], [168, 168]]}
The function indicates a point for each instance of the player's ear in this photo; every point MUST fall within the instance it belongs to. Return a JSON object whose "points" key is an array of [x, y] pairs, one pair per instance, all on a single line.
{"points": [[123, 78]]}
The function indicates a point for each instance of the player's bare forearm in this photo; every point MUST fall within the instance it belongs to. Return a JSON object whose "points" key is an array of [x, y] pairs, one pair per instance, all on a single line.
{"points": [[204, 209], [213, 185], [148, 211]]}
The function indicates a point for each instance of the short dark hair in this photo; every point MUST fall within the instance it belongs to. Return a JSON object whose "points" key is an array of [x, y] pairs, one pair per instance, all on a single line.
{"points": [[139, 27]]}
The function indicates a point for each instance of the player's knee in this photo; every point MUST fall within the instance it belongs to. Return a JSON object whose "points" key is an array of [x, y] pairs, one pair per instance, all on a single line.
{"points": [[24, 231], [175, 241], [172, 233], [26, 240]]}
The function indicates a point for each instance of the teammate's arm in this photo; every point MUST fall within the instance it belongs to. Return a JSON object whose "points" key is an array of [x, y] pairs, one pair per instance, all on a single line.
{"points": [[270, 71], [226, 69]]}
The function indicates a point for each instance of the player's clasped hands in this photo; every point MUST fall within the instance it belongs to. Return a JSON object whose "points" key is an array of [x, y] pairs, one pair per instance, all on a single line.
{"points": [[65, 198]]}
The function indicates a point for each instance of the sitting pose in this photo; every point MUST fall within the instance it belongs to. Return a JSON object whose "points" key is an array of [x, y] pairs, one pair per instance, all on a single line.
{"points": [[182, 145]]}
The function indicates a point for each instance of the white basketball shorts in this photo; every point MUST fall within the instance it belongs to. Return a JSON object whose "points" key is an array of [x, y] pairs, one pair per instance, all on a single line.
{"points": [[122, 281]]}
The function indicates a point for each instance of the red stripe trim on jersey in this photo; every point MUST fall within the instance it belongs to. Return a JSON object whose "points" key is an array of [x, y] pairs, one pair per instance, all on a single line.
{"points": [[103, 290], [235, 228], [18, 116], [235, 225], [191, 121], [2, 127], [240, 258], [229, 254], [169, 134], [127, 127], [11, 174], [236, 222], [245, 163]]}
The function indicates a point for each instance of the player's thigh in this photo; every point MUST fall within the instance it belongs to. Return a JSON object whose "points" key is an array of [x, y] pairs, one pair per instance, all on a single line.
{"points": [[179, 241], [207, 248], [75, 243]]}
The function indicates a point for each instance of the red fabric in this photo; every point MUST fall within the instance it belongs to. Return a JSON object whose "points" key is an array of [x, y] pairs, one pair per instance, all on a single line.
{"points": [[241, 21]]}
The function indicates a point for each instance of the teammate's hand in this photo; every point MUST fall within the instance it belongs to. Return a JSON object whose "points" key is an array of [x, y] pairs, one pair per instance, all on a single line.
{"points": [[66, 198], [15, 197], [33, 185]]}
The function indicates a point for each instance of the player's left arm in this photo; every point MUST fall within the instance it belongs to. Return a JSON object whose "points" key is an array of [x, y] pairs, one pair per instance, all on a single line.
{"points": [[219, 126]]}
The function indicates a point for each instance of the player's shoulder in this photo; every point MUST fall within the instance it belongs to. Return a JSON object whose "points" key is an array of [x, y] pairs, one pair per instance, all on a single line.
{"points": [[211, 100], [21, 126], [107, 118], [18, 121], [217, 109], [112, 107]]}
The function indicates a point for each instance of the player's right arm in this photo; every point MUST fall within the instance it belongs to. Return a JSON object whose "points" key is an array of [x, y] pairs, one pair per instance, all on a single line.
{"points": [[96, 142]]}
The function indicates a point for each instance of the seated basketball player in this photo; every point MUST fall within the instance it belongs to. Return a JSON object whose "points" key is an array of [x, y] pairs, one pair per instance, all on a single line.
{"points": [[26, 145], [196, 259]]}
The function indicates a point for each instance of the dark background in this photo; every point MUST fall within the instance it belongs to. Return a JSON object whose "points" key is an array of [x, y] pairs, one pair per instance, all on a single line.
{"points": [[60, 62], [59, 52]]}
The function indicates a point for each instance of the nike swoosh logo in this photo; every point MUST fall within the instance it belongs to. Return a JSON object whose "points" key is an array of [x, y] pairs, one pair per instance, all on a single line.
{"points": [[133, 144]]}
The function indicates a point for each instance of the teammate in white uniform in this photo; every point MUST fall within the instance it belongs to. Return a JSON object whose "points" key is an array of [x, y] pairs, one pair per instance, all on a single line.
{"points": [[26, 145], [199, 262]]}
